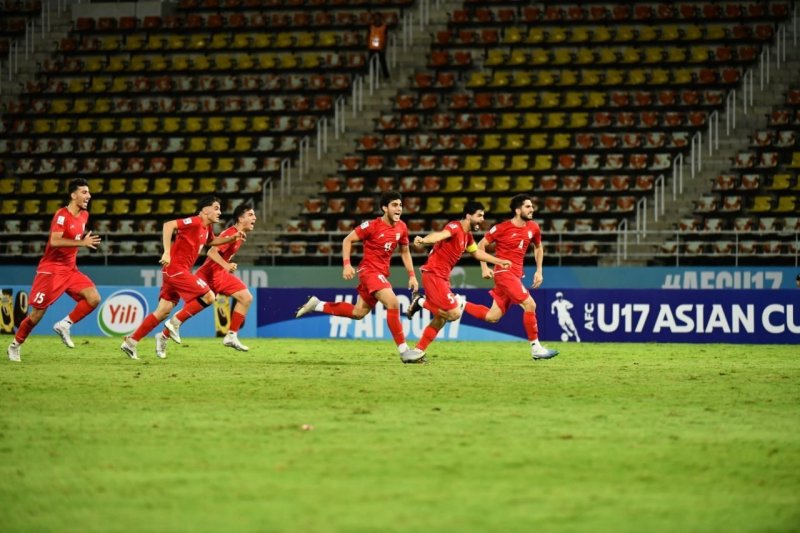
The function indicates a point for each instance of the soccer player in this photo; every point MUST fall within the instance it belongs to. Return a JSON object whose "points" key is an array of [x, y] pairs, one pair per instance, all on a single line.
{"points": [[217, 272], [381, 237], [449, 245], [512, 238], [58, 270], [178, 281]]}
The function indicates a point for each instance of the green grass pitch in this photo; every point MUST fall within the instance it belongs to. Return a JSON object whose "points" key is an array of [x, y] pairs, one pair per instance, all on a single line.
{"points": [[340, 436]]}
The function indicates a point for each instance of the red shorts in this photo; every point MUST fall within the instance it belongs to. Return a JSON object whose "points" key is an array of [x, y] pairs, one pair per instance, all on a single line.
{"points": [[371, 282], [508, 290], [221, 282], [437, 292], [49, 286], [185, 286]]}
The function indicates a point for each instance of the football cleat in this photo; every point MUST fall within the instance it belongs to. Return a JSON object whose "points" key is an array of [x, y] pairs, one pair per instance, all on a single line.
{"points": [[13, 352], [174, 331], [62, 330], [231, 340], [415, 306], [307, 307], [129, 350], [161, 345], [413, 356], [541, 352]]}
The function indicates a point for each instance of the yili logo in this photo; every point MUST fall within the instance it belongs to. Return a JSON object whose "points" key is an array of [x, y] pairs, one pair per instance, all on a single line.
{"points": [[121, 313]]}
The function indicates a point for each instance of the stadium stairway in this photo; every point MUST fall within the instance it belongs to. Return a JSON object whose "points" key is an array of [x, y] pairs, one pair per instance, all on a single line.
{"points": [[756, 117], [362, 122]]}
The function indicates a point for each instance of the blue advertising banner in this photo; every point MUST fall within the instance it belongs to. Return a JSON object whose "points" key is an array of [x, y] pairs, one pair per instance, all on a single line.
{"points": [[577, 315], [120, 312]]}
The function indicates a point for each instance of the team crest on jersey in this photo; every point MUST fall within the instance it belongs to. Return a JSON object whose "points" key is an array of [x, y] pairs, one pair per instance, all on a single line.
{"points": [[530, 235]]}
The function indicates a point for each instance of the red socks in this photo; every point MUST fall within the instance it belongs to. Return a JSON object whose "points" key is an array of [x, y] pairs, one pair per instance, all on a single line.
{"points": [[81, 310], [148, 324], [237, 319], [395, 326], [427, 337], [477, 310], [24, 330], [531, 325], [339, 309]]}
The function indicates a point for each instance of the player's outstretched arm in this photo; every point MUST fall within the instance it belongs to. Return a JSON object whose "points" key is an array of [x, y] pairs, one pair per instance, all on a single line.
{"points": [[432, 238], [348, 271], [484, 257], [166, 239], [57, 240], [219, 241], [215, 256]]}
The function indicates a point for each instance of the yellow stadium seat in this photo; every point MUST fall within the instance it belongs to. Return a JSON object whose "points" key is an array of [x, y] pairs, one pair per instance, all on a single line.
{"points": [[261, 40], [236, 124], [715, 31], [523, 183], [179, 164], [518, 57], [786, 204], [590, 77], [561, 141], [327, 39], [7, 185], [260, 123], [223, 62], [166, 206], [453, 184], [28, 186], [573, 99], [580, 34], [502, 205], [522, 79], [106, 125], [646, 34], [761, 204], [500, 78], [527, 100], [198, 144], [206, 185], [219, 144], [85, 125], [795, 160], [139, 186], [150, 124], [144, 206], [116, 186], [568, 78], [624, 34], [578, 120], [512, 35], [614, 77], [780, 182], [653, 54], [495, 57], [102, 105], [514, 141], [98, 205], [267, 61], [545, 78], [537, 141], [110, 42], [310, 60], [154, 42], [500, 184], [680, 76], [509, 121], [184, 185], [93, 64], [585, 56], [10, 206], [536, 35], [637, 77], [202, 164], [241, 144], [176, 42], [543, 162], [134, 41], [173, 124], [539, 57], [532, 120], [50, 186], [200, 63], [455, 204], [96, 185], [692, 32], [288, 61], [433, 205], [519, 162], [53, 204], [472, 162], [159, 63], [549, 99], [476, 79], [476, 184], [64, 125], [245, 62], [194, 124], [121, 206], [137, 64], [490, 141], [601, 34], [128, 125], [188, 205], [561, 56], [164, 185], [225, 164], [118, 85], [304, 39], [555, 120], [495, 162]]}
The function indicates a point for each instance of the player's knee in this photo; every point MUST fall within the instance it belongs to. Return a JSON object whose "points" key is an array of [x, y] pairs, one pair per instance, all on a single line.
{"points": [[246, 298], [358, 314], [492, 319], [208, 298], [93, 299], [453, 314]]}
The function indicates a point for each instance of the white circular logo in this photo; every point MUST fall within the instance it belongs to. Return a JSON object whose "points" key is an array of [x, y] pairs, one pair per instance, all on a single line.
{"points": [[121, 313]]}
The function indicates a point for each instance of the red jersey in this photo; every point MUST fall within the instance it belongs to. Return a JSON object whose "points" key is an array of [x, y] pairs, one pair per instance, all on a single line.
{"points": [[512, 243], [227, 251], [380, 241], [71, 227], [192, 236], [445, 254]]}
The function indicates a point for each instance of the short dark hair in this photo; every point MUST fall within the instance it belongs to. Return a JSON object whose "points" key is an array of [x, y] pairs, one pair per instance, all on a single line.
{"points": [[389, 197], [76, 184], [206, 201], [517, 201], [240, 210], [472, 207]]}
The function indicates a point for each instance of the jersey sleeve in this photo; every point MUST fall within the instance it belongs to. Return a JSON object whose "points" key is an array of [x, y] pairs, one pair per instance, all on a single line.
{"points": [[59, 223], [363, 230], [491, 235], [188, 221]]}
